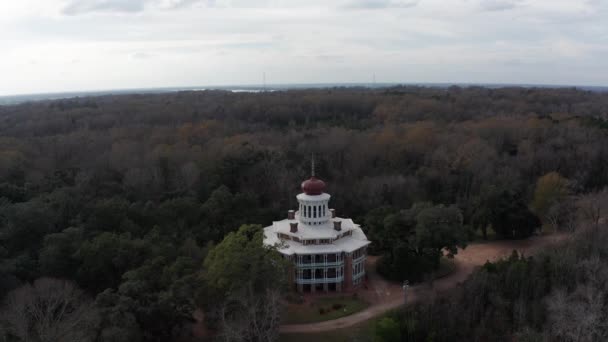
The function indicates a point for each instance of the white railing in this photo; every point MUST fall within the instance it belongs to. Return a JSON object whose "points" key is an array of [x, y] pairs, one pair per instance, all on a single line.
{"points": [[319, 280], [357, 276], [359, 258], [320, 264]]}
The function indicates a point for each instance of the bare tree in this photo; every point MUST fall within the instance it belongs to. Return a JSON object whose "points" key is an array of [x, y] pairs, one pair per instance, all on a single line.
{"points": [[247, 317], [49, 310], [577, 316], [562, 215], [594, 206]]}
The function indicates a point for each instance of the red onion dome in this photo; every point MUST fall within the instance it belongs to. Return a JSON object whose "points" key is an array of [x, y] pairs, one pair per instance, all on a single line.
{"points": [[313, 186]]}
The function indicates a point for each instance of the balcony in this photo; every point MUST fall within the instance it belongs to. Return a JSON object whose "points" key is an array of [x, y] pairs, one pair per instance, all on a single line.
{"points": [[319, 264], [319, 280]]}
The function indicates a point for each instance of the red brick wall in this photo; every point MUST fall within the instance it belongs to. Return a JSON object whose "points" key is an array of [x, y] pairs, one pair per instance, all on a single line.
{"points": [[291, 277]]}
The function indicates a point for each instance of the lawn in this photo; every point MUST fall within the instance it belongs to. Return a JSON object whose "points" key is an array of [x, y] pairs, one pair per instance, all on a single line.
{"points": [[360, 332], [354, 333], [324, 309]]}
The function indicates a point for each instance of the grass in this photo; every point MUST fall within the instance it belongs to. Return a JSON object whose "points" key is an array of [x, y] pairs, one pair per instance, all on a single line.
{"points": [[332, 308], [360, 332], [339, 335]]}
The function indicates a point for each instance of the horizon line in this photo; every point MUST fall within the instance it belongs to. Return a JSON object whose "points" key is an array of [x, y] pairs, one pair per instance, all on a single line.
{"points": [[288, 86]]}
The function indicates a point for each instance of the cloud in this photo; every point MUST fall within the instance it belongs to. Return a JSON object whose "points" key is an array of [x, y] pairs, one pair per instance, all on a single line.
{"points": [[173, 4], [331, 58], [76, 7], [140, 55], [376, 4], [498, 5]]}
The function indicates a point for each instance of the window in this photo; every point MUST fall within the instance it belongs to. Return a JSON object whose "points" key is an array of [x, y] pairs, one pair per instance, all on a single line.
{"points": [[358, 269], [319, 273], [307, 274]]}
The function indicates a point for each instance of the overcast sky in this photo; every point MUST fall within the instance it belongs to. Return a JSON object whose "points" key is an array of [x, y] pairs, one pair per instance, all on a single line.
{"points": [[66, 45]]}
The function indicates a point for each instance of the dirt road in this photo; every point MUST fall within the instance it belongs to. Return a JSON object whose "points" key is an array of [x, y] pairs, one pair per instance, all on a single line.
{"points": [[384, 295]]}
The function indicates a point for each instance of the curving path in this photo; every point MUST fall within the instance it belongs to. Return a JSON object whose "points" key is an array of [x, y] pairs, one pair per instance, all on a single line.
{"points": [[384, 295]]}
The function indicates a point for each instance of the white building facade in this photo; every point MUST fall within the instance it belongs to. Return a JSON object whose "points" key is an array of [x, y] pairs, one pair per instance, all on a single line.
{"points": [[328, 252]]}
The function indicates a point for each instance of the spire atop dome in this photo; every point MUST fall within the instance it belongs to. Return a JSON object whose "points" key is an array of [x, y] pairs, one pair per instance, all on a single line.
{"points": [[313, 185]]}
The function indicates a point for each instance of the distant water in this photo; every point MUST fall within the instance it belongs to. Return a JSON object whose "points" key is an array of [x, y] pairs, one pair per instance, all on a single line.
{"points": [[15, 99]]}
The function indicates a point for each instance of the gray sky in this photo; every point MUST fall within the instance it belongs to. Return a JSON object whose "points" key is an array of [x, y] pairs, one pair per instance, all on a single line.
{"points": [[66, 45]]}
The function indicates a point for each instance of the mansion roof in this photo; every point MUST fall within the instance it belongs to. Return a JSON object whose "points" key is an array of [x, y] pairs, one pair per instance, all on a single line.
{"points": [[315, 239]]}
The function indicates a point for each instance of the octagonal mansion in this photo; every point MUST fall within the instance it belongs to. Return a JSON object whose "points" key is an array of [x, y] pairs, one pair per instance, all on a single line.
{"points": [[328, 252]]}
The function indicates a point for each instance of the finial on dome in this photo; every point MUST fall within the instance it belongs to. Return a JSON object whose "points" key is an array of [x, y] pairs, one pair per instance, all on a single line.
{"points": [[313, 186]]}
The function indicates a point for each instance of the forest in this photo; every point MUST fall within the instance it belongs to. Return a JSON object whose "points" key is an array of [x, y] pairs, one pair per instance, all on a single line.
{"points": [[123, 214], [557, 295]]}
